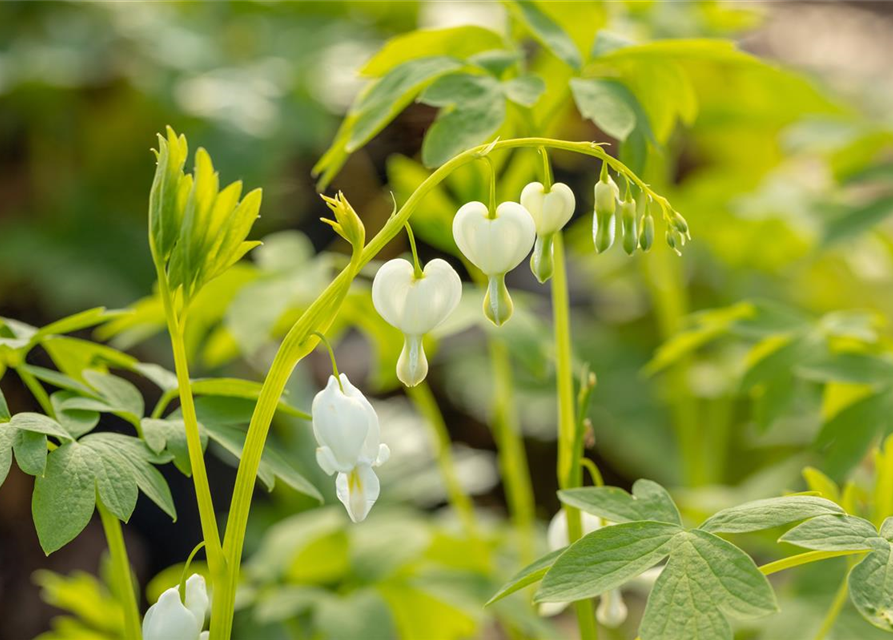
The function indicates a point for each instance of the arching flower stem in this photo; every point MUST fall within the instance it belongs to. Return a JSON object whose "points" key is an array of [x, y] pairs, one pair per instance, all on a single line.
{"points": [[331, 351]]}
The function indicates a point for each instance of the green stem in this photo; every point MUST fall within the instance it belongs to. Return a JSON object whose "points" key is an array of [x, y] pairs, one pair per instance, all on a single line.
{"points": [[426, 405], [417, 271], [513, 465], [803, 558], [122, 578], [547, 170], [836, 607], [331, 351], [491, 207], [207, 515], [569, 470], [37, 390], [298, 343]]}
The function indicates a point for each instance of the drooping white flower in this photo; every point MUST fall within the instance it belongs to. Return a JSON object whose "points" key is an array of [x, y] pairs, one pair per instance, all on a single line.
{"points": [[415, 306], [550, 212], [171, 619], [612, 610], [346, 428], [495, 246]]}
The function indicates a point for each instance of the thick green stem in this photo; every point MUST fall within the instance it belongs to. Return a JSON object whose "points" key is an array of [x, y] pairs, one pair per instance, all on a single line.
{"points": [[207, 515], [298, 343], [513, 465], [803, 558], [426, 405], [122, 578], [568, 463]]}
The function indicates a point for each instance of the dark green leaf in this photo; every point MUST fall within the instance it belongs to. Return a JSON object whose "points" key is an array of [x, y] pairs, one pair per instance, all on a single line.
{"points": [[605, 559], [65, 496], [462, 128], [39, 423], [31, 452], [4, 409], [530, 574], [525, 90], [858, 368], [768, 513], [857, 219], [649, 501], [832, 533], [607, 103], [549, 33], [846, 437], [871, 586]]}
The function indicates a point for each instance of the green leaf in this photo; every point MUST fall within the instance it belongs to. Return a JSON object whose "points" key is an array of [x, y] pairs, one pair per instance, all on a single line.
{"points": [[845, 438], [359, 614], [705, 580], [855, 220], [859, 368], [39, 423], [871, 586], [7, 436], [164, 213], [121, 454], [238, 388], [394, 92], [525, 90], [605, 559], [119, 394], [457, 42], [649, 501], [31, 452], [530, 574], [78, 321], [73, 355], [456, 130], [170, 435], [65, 496], [60, 380], [832, 533], [609, 104], [549, 33], [768, 513], [76, 422]]}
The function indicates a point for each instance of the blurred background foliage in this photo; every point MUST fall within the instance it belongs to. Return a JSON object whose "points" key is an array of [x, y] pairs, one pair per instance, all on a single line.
{"points": [[781, 168]]}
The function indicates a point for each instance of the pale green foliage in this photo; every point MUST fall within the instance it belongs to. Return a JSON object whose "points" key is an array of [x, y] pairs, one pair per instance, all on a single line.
{"points": [[197, 229], [649, 501]]}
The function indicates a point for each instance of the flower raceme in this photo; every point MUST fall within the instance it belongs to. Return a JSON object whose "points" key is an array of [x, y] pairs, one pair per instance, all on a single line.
{"points": [[346, 428], [415, 304], [171, 619], [495, 244], [611, 610], [550, 210]]}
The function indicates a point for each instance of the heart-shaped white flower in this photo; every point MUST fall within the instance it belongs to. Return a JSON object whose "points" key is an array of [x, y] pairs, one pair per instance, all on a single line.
{"points": [[346, 429], [495, 246], [550, 212], [415, 306]]}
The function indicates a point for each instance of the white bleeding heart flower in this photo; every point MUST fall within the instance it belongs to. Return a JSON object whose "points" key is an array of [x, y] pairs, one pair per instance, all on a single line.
{"points": [[171, 619], [346, 428], [415, 305], [612, 610], [495, 245], [550, 212]]}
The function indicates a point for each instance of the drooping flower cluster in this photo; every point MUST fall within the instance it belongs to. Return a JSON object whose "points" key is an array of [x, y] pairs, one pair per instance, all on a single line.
{"points": [[172, 619], [611, 610], [346, 428]]}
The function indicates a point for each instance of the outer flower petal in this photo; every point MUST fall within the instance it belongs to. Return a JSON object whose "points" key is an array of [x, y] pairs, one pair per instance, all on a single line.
{"points": [[358, 491], [416, 306], [497, 245], [612, 609], [550, 211], [197, 600], [168, 619], [342, 421]]}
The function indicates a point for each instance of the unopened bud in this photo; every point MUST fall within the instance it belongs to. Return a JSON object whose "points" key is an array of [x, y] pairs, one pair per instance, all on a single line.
{"points": [[674, 241], [347, 223], [628, 226]]}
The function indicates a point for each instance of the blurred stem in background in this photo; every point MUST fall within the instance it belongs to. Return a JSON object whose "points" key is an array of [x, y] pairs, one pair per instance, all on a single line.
{"points": [[426, 405], [513, 465], [568, 462], [122, 577]]}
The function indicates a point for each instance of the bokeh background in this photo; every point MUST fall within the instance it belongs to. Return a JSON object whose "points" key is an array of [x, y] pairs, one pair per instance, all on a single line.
{"points": [[784, 179]]}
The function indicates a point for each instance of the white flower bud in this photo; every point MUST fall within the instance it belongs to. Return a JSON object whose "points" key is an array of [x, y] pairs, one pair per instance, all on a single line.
{"points": [[550, 211], [612, 610], [415, 306], [170, 619], [346, 428], [495, 246]]}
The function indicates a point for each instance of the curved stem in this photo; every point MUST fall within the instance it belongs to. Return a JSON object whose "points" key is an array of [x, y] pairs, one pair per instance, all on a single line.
{"points": [[568, 463], [331, 351], [298, 343], [803, 558], [491, 206], [547, 170], [121, 575], [416, 267]]}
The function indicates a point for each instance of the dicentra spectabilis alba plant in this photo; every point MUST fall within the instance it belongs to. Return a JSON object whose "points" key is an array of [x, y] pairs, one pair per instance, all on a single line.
{"points": [[415, 301], [175, 618], [347, 431]]}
